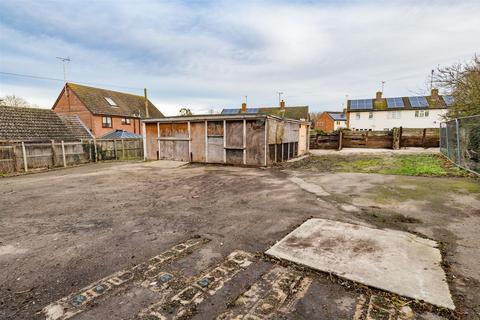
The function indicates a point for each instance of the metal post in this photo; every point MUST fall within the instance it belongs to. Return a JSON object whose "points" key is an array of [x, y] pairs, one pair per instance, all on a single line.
{"points": [[24, 154], [458, 142], [63, 155]]}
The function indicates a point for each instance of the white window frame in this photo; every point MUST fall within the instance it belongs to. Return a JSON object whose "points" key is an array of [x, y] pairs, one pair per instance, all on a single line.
{"points": [[357, 115], [370, 115]]}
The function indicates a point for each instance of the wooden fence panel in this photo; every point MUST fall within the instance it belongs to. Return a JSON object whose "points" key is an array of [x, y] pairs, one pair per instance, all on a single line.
{"points": [[57, 154], [426, 138]]}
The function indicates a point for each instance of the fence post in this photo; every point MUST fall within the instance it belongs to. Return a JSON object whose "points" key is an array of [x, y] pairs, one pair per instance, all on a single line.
{"points": [[458, 141], [340, 138], [24, 154], [14, 158], [95, 149], [63, 155], [54, 156], [423, 137], [123, 149], [115, 148]]}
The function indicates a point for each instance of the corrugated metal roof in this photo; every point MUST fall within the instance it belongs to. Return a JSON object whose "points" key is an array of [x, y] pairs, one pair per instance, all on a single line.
{"points": [[121, 134]]}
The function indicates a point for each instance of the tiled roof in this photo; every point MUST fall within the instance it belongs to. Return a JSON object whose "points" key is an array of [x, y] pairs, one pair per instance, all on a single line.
{"points": [[297, 113], [337, 116], [76, 126], [34, 125], [434, 102], [121, 134], [126, 104]]}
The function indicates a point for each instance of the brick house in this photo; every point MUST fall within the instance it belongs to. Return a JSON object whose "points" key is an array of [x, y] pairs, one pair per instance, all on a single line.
{"points": [[330, 121], [104, 111]]}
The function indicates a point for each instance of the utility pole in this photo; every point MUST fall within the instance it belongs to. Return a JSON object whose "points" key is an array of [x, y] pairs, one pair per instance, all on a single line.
{"points": [[146, 103], [64, 60], [279, 96]]}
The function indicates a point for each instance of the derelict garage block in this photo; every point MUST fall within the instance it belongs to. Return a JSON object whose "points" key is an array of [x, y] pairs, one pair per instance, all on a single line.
{"points": [[243, 139]]}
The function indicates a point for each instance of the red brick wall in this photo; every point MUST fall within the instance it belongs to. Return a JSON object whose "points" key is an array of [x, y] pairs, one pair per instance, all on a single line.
{"points": [[324, 122], [71, 105]]}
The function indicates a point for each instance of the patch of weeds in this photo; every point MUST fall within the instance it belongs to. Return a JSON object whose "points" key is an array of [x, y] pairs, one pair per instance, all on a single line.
{"points": [[408, 165], [434, 165]]}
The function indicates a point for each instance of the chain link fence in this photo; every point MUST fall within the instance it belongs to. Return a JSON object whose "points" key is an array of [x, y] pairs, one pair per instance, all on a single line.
{"points": [[460, 142]]}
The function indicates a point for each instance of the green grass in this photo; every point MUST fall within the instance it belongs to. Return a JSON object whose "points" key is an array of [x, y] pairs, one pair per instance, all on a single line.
{"points": [[408, 165]]}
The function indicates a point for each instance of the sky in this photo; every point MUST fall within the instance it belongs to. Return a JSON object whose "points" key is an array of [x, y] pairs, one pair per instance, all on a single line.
{"points": [[209, 55]]}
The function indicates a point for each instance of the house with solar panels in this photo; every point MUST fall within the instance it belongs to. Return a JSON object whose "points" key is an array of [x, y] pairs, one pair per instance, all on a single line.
{"points": [[296, 112], [407, 112], [330, 121]]}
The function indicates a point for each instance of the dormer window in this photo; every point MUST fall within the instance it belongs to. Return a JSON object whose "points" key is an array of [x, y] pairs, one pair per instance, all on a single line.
{"points": [[111, 102]]}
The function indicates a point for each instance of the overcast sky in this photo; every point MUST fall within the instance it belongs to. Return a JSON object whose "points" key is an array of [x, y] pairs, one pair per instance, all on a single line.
{"points": [[209, 54]]}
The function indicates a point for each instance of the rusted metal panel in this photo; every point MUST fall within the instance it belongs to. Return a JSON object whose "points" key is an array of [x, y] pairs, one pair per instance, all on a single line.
{"points": [[234, 134], [291, 132], [255, 151], [215, 149], [198, 141]]}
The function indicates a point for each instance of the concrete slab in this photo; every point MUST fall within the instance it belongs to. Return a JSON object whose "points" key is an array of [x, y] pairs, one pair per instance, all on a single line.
{"points": [[390, 260]]}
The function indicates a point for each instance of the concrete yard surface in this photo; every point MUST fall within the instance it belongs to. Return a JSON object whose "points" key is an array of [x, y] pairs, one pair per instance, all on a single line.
{"points": [[391, 260], [139, 240]]}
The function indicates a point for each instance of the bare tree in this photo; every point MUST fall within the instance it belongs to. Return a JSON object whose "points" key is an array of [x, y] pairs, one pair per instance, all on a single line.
{"points": [[14, 101], [462, 81]]}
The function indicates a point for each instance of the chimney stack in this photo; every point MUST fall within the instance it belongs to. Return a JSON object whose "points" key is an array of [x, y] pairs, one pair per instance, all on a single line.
{"points": [[244, 108], [434, 94], [378, 96], [282, 105]]}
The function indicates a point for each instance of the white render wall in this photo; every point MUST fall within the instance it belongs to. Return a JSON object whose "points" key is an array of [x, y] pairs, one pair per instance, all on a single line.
{"points": [[343, 124], [383, 120]]}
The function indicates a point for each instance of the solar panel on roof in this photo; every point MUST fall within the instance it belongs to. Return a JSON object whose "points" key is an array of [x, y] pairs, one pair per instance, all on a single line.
{"points": [[230, 111], [418, 102], [448, 100], [395, 102], [252, 110], [361, 104]]}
